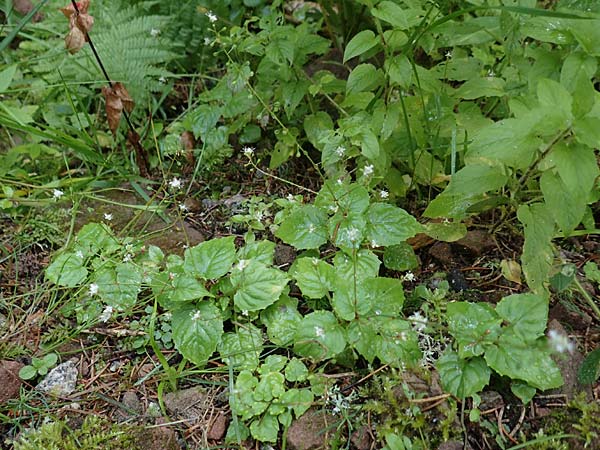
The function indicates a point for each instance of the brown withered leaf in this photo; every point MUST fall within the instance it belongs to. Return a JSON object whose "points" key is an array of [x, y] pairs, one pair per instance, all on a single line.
{"points": [[117, 98], [75, 40], [80, 23], [82, 7]]}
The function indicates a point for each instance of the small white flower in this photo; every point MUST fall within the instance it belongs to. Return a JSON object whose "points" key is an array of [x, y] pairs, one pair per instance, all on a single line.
{"points": [[162, 80], [353, 234], [183, 207], [377, 312], [368, 170], [340, 181], [319, 332], [175, 183], [196, 316], [374, 243], [127, 258], [290, 198], [311, 228], [560, 342], [172, 275], [248, 151], [384, 194], [105, 315], [491, 73], [241, 265], [93, 289], [340, 150], [448, 54], [419, 322], [245, 313], [207, 41], [79, 254], [154, 32], [108, 217], [211, 17], [409, 276], [57, 193]]}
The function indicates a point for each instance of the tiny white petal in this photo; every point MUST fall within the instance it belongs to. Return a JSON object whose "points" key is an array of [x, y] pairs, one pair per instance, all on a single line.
{"points": [[57, 193], [108, 217], [93, 289]]}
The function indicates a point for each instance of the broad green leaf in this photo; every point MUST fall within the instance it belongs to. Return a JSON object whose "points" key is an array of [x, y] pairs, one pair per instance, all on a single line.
{"points": [[242, 348], [526, 361], [319, 336], [481, 87], [362, 335], [273, 363], [587, 131], [389, 225], [475, 326], [257, 286], [462, 377], [364, 265], [6, 77], [445, 231], [94, 238], [346, 230], [210, 259], [119, 287], [271, 385], [525, 314], [589, 371], [465, 189], [369, 297], [566, 207], [296, 370], [67, 270], [576, 64], [587, 32], [554, 96], [304, 228], [400, 18], [243, 403], [591, 271], [281, 319], [523, 391], [359, 44], [314, 277], [397, 344], [197, 331], [399, 70], [364, 77], [261, 251], [341, 197], [185, 287], [538, 254], [369, 145], [400, 257], [265, 428], [577, 167], [300, 400], [317, 126]]}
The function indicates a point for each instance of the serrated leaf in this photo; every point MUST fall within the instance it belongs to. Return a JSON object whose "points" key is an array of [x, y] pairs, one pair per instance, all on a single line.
{"points": [[364, 265], [96, 237], [305, 228], [566, 207], [462, 377], [319, 336], [475, 326], [525, 314], [296, 370], [370, 297], [314, 277], [346, 230], [359, 44], [119, 287], [537, 255], [396, 343], [400, 257], [257, 286], [185, 288], [210, 259], [341, 197], [481, 87], [281, 319], [300, 400], [265, 428], [67, 270], [390, 225], [197, 331], [241, 349], [513, 358]]}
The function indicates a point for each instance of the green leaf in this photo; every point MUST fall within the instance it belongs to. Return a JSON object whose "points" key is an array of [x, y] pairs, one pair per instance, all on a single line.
{"points": [[119, 287], [567, 208], [96, 237], [364, 77], [27, 372], [587, 32], [296, 370], [587, 130], [526, 361], [271, 385], [364, 265], [359, 44], [343, 198], [304, 228], [475, 326], [400, 257], [370, 297], [346, 230], [210, 259], [590, 368], [554, 96], [445, 231], [523, 391], [6, 77], [67, 270], [362, 335], [257, 286], [397, 344], [300, 400], [390, 225], [314, 277], [185, 288], [241, 350], [525, 314], [538, 255], [281, 319], [319, 336], [197, 331], [243, 403], [591, 271], [265, 428], [576, 64], [465, 189], [396, 16], [261, 251], [481, 87], [462, 377]]}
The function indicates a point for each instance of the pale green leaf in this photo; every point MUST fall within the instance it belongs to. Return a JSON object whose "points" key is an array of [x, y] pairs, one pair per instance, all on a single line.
{"points": [[241, 349], [314, 277], [67, 270], [365, 264], [6, 77], [389, 225], [462, 377], [359, 44], [319, 336], [281, 319], [400, 18], [525, 314], [210, 259], [257, 286], [481, 87], [197, 331], [304, 228], [364, 77], [474, 326]]}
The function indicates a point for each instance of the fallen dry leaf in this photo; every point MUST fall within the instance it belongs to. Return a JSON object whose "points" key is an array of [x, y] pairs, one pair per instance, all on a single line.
{"points": [[80, 23]]}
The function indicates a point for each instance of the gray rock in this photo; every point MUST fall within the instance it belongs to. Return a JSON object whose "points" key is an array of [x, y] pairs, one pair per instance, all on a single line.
{"points": [[60, 381]]}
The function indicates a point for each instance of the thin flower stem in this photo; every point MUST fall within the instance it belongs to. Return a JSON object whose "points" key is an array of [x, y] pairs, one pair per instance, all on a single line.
{"points": [[588, 298]]}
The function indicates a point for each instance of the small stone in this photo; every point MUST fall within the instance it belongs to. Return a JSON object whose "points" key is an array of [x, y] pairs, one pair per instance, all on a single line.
{"points": [[309, 432], [60, 381], [132, 402], [218, 427], [10, 383]]}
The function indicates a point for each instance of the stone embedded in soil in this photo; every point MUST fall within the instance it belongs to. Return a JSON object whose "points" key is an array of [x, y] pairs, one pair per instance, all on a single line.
{"points": [[60, 381], [10, 383], [477, 242], [189, 404], [158, 438], [309, 432], [361, 439], [131, 401], [218, 427], [442, 252]]}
